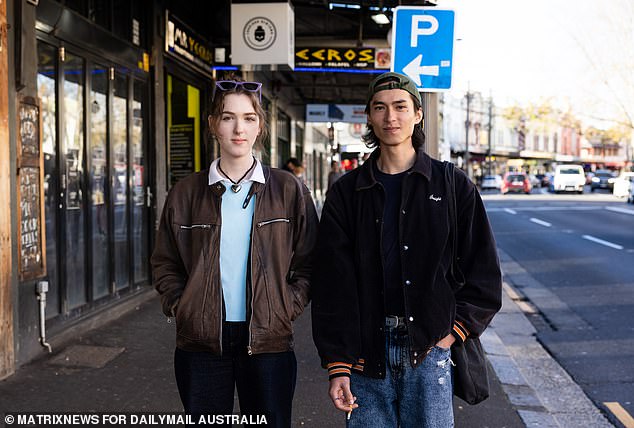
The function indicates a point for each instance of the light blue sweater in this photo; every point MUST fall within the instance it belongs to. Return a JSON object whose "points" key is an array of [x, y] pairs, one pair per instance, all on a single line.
{"points": [[235, 239]]}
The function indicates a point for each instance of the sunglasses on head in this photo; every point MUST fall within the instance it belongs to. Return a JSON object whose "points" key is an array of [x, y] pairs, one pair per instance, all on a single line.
{"points": [[229, 85]]}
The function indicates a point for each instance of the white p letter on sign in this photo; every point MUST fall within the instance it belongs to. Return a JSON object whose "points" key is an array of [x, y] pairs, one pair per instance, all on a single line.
{"points": [[426, 31]]}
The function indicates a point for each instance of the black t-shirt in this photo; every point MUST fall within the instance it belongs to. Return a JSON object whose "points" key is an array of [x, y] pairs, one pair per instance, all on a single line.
{"points": [[390, 251]]}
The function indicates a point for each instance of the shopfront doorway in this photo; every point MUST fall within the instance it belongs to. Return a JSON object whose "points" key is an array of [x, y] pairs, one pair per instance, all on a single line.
{"points": [[185, 129], [95, 147]]}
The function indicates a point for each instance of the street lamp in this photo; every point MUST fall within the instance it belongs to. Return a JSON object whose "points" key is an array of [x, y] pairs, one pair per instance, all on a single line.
{"points": [[466, 125], [490, 129]]}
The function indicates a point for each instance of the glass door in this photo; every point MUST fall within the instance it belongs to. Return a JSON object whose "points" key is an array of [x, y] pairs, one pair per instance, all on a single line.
{"points": [[47, 92], [95, 142], [119, 156], [140, 200], [73, 181], [99, 173]]}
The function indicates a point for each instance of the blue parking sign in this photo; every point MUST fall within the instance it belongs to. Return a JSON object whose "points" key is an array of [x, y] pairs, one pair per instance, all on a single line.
{"points": [[422, 46]]}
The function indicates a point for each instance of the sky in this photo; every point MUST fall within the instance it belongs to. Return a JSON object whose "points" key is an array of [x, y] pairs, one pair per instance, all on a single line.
{"points": [[577, 53]]}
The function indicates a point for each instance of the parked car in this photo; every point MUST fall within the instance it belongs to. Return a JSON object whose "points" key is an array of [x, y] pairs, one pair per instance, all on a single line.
{"points": [[603, 179], [491, 182], [623, 184], [630, 198], [515, 182], [568, 178]]}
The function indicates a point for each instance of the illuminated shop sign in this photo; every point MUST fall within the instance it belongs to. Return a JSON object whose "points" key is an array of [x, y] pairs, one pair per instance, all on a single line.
{"points": [[338, 57], [183, 42]]}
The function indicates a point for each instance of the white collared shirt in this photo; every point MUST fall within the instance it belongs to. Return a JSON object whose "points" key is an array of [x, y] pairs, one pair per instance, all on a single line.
{"points": [[256, 175]]}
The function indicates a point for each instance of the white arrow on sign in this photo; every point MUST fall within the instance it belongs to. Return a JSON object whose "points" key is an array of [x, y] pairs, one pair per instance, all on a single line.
{"points": [[415, 69]]}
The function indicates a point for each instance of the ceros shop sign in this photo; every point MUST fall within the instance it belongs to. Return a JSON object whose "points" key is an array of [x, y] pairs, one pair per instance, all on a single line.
{"points": [[262, 34]]}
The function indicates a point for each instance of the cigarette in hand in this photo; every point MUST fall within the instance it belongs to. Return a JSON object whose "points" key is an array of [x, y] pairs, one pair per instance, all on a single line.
{"points": [[349, 414]]}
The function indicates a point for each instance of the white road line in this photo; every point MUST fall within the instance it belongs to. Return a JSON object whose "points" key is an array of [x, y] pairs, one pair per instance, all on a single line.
{"points": [[540, 222], [510, 211], [542, 208], [602, 242], [568, 208], [620, 210]]}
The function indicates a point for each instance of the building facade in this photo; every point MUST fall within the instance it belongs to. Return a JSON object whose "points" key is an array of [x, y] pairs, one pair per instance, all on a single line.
{"points": [[533, 140], [103, 107]]}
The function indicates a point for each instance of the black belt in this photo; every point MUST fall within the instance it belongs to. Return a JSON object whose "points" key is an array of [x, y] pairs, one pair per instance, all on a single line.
{"points": [[394, 321]]}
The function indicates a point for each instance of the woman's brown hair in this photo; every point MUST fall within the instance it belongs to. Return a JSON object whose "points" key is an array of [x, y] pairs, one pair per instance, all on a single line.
{"points": [[217, 106]]}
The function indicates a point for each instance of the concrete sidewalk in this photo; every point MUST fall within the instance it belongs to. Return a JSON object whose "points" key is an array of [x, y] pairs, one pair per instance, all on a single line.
{"points": [[126, 366]]}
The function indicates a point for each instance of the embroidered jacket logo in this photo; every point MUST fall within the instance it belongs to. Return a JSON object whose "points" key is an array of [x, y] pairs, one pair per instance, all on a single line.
{"points": [[435, 198]]}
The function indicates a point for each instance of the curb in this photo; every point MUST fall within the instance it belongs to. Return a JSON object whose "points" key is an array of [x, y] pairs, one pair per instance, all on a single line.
{"points": [[543, 393]]}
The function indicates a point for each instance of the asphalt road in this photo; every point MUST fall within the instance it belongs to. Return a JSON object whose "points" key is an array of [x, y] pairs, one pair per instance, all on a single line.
{"points": [[575, 267]]}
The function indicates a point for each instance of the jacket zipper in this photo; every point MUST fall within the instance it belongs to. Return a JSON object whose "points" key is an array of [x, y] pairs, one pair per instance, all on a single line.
{"points": [[210, 284], [275, 220], [196, 226], [249, 349]]}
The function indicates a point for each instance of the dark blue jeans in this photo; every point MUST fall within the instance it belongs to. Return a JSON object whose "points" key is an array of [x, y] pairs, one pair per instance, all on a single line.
{"points": [[265, 382]]}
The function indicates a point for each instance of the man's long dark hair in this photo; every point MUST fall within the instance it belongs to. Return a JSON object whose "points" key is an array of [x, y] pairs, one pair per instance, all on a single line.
{"points": [[418, 136]]}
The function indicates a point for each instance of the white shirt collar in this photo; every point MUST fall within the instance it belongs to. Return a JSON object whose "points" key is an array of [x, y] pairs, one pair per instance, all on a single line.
{"points": [[256, 175]]}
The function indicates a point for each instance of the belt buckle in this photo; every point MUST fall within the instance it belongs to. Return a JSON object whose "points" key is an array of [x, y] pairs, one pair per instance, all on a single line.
{"points": [[393, 321]]}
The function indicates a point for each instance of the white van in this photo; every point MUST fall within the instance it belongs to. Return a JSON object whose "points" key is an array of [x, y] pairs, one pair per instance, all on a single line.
{"points": [[569, 178], [623, 184]]}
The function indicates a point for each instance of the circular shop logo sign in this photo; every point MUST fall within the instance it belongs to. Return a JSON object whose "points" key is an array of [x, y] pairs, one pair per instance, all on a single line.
{"points": [[259, 33]]}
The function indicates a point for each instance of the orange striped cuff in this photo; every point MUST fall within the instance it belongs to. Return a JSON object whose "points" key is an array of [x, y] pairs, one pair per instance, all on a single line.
{"points": [[359, 365], [460, 331], [338, 369]]}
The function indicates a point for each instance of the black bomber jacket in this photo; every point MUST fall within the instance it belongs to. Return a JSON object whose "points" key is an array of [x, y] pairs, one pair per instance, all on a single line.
{"points": [[347, 281]]}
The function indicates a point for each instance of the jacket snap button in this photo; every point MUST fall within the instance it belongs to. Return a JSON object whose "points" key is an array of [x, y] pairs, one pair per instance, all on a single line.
{"points": [[408, 282], [405, 247], [403, 212], [416, 354], [411, 318], [414, 361]]}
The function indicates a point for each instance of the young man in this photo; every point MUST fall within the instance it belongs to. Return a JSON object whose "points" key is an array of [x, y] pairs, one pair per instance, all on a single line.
{"points": [[384, 314], [334, 174]]}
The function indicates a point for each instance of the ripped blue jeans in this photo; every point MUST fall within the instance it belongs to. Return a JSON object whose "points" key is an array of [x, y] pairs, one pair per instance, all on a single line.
{"points": [[407, 397]]}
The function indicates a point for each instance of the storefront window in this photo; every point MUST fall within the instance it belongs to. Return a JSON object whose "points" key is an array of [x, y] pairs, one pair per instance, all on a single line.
{"points": [[119, 147], [140, 220], [283, 137], [98, 180], [94, 142], [183, 134], [299, 143], [73, 174], [46, 90]]}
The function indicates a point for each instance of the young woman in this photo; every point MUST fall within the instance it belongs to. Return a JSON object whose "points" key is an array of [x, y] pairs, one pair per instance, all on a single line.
{"points": [[232, 263]]}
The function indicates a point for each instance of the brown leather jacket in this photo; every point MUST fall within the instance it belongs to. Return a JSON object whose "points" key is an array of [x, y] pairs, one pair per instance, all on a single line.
{"points": [[185, 262]]}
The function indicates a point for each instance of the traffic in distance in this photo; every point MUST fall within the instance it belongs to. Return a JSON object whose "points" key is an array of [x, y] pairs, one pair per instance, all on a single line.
{"points": [[566, 178]]}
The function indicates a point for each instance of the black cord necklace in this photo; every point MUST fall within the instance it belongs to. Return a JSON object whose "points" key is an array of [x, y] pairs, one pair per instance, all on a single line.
{"points": [[236, 186]]}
